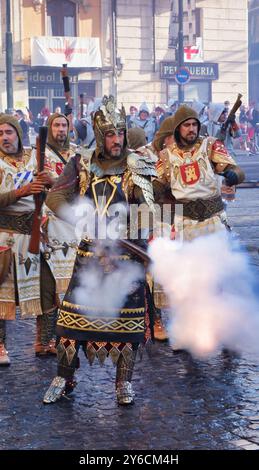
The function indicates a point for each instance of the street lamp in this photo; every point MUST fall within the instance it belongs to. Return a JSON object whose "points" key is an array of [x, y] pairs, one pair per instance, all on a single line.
{"points": [[9, 59]]}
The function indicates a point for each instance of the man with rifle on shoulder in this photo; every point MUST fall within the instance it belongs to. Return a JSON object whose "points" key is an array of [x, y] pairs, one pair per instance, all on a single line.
{"points": [[22, 274], [59, 242]]}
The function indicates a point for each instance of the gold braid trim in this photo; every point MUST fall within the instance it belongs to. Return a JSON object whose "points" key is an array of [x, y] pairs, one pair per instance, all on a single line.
{"points": [[127, 184], [90, 254], [84, 176], [97, 309], [113, 325]]}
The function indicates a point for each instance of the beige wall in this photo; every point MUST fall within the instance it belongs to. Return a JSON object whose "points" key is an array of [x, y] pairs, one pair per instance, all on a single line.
{"points": [[224, 31], [225, 40], [138, 81]]}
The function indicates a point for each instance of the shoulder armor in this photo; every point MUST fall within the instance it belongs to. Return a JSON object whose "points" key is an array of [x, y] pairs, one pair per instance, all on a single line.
{"points": [[219, 147], [142, 164]]}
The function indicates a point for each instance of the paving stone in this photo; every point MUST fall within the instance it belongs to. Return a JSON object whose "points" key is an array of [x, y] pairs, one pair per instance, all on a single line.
{"points": [[181, 403]]}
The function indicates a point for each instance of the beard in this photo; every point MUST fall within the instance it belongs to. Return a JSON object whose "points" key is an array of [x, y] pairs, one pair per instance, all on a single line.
{"points": [[61, 139], [189, 139], [114, 152], [9, 148]]}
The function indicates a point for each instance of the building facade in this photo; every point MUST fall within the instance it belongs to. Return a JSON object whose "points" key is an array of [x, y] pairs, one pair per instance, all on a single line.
{"points": [[254, 51], [125, 47]]}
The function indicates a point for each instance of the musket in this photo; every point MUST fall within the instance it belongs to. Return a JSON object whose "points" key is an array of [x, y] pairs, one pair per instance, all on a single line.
{"points": [[67, 93], [66, 84], [134, 250], [34, 245], [232, 113]]}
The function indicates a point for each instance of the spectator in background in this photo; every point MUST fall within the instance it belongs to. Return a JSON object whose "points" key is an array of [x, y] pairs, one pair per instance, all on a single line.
{"points": [[227, 106], [144, 120], [133, 112], [172, 108], [24, 126]]}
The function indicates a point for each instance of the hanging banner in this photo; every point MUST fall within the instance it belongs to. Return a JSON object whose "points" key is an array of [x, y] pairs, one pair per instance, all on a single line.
{"points": [[52, 51], [194, 53]]}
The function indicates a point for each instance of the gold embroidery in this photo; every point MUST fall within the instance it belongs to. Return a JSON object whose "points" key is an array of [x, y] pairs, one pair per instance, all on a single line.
{"points": [[96, 180], [96, 309], [113, 325], [190, 173]]}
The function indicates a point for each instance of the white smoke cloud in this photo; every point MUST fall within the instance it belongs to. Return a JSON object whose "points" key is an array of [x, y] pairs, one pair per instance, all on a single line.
{"points": [[211, 291], [107, 292]]}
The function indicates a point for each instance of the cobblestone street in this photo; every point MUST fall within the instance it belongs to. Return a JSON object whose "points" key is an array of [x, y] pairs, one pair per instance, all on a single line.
{"points": [[181, 403]]}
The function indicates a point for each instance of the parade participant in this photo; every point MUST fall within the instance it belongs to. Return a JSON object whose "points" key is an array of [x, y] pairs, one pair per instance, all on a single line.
{"points": [[218, 114], [171, 109], [59, 241], [17, 186], [137, 142], [201, 110], [58, 149], [146, 121], [163, 139], [113, 173], [189, 167]]}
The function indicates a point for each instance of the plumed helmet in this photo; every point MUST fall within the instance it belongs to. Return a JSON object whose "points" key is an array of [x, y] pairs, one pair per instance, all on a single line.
{"points": [[108, 118]]}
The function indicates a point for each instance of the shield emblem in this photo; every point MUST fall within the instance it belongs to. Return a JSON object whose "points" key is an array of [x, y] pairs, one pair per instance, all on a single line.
{"points": [[190, 173], [59, 168]]}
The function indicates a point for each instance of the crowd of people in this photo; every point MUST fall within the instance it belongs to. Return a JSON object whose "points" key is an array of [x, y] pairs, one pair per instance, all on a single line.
{"points": [[173, 156], [243, 131]]}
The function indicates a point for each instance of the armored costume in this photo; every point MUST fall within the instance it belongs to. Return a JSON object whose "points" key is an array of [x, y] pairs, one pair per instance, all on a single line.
{"points": [[103, 330], [22, 277], [191, 173]]}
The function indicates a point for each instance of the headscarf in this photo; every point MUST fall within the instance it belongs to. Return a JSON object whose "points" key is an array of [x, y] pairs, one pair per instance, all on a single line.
{"points": [[12, 121], [50, 139]]}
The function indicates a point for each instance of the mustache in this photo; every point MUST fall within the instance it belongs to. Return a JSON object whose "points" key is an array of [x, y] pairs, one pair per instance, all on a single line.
{"points": [[114, 146]]}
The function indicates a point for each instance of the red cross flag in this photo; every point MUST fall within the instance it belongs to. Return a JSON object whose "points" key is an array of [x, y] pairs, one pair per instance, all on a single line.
{"points": [[52, 51], [194, 53]]}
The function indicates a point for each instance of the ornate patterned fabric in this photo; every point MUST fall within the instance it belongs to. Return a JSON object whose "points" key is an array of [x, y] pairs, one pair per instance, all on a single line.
{"points": [[15, 221], [105, 331]]}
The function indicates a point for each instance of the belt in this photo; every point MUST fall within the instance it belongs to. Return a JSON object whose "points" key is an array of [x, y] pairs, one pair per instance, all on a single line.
{"points": [[19, 222], [202, 209]]}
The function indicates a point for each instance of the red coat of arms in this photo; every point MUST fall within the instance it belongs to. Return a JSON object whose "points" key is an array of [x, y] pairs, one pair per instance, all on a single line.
{"points": [[190, 173], [59, 168]]}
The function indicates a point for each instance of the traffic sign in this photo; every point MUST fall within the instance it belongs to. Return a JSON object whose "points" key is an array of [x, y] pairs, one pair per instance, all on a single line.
{"points": [[182, 76]]}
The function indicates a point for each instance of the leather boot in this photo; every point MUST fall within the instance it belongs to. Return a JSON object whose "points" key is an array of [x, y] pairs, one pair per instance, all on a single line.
{"points": [[45, 334], [4, 358], [124, 390], [160, 333]]}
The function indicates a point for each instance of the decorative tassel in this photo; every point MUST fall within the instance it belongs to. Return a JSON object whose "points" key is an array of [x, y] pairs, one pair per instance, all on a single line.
{"points": [[30, 308], [7, 310]]}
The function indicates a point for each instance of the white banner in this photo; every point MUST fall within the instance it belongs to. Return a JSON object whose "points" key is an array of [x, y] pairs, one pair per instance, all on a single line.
{"points": [[53, 51], [194, 53]]}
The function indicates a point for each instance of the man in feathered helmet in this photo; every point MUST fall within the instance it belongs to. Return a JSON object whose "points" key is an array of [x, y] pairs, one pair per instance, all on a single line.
{"points": [[107, 176]]}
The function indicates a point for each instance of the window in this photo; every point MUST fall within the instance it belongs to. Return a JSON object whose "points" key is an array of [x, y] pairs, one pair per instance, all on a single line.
{"points": [[61, 18], [194, 90]]}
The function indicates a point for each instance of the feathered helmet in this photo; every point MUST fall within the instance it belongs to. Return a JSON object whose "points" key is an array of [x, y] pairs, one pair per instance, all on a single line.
{"points": [[108, 118]]}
